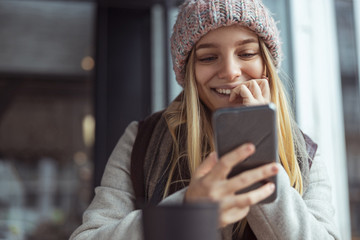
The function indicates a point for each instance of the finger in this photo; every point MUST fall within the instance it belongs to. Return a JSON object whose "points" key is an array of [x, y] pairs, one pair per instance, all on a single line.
{"points": [[250, 177], [247, 199], [265, 88], [232, 215], [246, 94], [206, 165], [254, 89], [235, 93], [229, 160]]}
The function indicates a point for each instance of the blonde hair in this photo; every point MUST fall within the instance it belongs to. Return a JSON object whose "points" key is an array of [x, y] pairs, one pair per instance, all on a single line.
{"points": [[192, 114], [198, 132]]}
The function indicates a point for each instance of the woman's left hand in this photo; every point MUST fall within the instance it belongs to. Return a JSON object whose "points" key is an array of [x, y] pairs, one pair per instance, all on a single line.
{"points": [[252, 92]]}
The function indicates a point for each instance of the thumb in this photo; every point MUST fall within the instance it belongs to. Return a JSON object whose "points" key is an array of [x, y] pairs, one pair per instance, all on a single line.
{"points": [[206, 166]]}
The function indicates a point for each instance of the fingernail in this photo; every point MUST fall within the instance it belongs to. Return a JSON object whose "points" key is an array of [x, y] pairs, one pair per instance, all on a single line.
{"points": [[250, 147], [271, 186], [274, 168]]}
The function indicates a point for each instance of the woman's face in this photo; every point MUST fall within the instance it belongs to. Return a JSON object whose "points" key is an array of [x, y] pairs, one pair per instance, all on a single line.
{"points": [[224, 59]]}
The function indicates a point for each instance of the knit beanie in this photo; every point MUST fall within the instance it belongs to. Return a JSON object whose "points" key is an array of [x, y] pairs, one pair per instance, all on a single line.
{"points": [[198, 17]]}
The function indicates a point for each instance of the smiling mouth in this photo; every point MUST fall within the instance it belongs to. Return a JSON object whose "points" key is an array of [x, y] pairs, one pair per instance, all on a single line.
{"points": [[222, 91]]}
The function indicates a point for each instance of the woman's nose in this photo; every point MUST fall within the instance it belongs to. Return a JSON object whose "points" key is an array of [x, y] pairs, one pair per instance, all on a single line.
{"points": [[230, 69]]}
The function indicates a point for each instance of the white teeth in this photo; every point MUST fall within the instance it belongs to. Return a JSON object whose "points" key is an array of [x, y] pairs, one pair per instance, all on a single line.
{"points": [[223, 91]]}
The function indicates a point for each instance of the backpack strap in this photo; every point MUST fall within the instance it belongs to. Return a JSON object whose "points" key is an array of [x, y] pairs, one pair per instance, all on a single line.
{"points": [[145, 131]]}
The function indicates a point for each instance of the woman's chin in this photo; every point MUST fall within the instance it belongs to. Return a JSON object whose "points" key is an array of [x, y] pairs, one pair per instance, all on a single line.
{"points": [[229, 105]]}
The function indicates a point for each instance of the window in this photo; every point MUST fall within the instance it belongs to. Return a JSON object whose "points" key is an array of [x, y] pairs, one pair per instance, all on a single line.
{"points": [[46, 123], [348, 43]]}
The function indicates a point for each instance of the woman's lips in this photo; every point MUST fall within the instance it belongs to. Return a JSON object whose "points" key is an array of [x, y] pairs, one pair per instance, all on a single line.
{"points": [[226, 89], [223, 91]]}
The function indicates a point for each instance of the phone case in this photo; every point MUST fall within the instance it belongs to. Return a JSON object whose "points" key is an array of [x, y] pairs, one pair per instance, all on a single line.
{"points": [[256, 124]]}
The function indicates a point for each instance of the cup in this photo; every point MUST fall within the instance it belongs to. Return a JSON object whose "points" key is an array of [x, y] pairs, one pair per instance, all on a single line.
{"points": [[195, 221]]}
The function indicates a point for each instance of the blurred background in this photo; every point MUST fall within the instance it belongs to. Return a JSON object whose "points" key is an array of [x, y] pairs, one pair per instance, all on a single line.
{"points": [[75, 73]]}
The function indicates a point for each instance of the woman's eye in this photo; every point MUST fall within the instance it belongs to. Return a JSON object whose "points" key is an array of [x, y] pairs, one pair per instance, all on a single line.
{"points": [[247, 55], [207, 59]]}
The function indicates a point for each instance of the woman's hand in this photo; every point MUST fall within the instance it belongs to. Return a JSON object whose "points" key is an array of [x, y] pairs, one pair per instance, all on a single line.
{"points": [[253, 92], [210, 183]]}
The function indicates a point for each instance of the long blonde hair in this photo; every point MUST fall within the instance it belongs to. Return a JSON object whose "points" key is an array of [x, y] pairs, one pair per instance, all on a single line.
{"points": [[194, 116]]}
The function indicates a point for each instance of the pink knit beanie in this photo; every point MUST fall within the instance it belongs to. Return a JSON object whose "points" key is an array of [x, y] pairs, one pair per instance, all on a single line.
{"points": [[198, 17]]}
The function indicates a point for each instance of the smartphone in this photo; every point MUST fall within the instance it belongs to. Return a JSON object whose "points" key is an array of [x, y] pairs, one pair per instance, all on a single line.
{"points": [[248, 124]]}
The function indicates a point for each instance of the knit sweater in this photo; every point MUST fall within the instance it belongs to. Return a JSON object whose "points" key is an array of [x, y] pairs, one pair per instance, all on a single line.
{"points": [[112, 214]]}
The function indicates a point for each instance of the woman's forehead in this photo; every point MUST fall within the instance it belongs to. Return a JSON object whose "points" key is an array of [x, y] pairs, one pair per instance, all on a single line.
{"points": [[233, 34]]}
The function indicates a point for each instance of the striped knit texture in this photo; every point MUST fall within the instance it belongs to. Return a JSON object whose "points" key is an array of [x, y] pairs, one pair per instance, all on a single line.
{"points": [[198, 17]]}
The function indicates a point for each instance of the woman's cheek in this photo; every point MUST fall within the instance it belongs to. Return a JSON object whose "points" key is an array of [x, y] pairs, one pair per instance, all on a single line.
{"points": [[199, 74], [203, 74]]}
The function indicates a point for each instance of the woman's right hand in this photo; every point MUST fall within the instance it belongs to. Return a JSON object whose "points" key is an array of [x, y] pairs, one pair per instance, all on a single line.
{"points": [[210, 183]]}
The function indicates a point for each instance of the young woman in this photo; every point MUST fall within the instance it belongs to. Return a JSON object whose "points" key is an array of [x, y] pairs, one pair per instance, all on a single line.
{"points": [[225, 53]]}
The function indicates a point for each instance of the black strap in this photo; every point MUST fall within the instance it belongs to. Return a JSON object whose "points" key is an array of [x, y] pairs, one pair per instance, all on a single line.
{"points": [[145, 130]]}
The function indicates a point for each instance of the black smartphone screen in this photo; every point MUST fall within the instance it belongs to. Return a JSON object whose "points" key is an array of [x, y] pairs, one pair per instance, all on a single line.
{"points": [[255, 124]]}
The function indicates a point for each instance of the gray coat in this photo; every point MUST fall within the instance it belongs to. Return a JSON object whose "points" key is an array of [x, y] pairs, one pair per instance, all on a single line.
{"points": [[112, 214]]}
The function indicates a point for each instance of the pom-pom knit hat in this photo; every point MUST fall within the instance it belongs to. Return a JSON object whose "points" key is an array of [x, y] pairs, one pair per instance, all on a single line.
{"points": [[198, 17]]}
